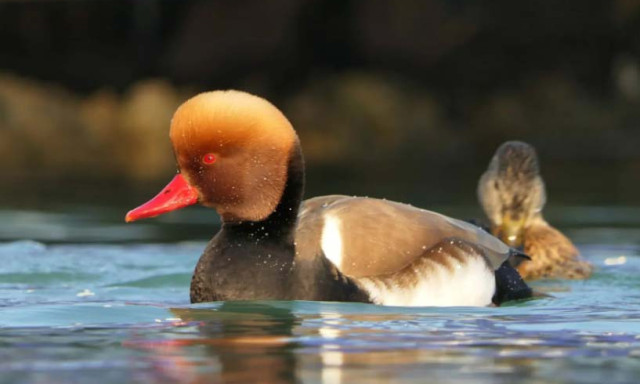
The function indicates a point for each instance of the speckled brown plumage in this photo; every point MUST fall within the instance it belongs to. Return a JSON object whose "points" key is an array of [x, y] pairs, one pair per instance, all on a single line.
{"points": [[552, 255], [512, 194]]}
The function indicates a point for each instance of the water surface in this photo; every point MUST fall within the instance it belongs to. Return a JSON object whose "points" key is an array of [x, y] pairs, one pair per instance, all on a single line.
{"points": [[76, 310]]}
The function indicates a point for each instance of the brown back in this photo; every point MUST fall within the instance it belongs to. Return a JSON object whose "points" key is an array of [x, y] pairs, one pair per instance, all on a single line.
{"points": [[381, 237]]}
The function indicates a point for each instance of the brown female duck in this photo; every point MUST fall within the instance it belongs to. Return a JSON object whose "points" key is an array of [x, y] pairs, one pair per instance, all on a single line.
{"points": [[239, 155], [512, 195]]}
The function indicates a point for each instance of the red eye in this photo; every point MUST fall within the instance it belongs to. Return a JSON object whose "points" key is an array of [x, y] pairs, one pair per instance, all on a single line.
{"points": [[209, 158]]}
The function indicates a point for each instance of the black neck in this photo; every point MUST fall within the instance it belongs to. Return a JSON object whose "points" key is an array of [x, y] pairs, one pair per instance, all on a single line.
{"points": [[280, 225], [279, 276]]}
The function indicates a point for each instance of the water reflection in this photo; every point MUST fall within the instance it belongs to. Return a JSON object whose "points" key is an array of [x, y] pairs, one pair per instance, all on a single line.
{"points": [[262, 342], [236, 342], [330, 353], [290, 342]]}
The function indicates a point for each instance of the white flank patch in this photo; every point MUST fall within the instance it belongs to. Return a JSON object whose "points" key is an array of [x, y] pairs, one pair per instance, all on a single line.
{"points": [[468, 284], [331, 241]]}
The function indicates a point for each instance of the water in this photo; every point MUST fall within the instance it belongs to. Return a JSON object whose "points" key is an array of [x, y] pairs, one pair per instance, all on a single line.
{"points": [[83, 305]]}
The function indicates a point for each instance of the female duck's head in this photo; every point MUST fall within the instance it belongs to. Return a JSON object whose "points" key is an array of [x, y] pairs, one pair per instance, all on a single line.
{"points": [[511, 191]]}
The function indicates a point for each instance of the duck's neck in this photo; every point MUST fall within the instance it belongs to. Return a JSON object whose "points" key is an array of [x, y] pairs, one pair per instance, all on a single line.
{"points": [[281, 224], [261, 257], [257, 257]]}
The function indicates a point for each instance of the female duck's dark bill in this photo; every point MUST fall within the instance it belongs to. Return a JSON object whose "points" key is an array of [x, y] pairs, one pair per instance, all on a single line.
{"points": [[177, 194]]}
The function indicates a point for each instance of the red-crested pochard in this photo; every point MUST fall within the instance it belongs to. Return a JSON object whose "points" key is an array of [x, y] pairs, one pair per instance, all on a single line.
{"points": [[238, 154], [512, 194]]}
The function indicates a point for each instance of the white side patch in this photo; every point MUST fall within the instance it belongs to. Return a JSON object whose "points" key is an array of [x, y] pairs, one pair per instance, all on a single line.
{"points": [[468, 284], [331, 241]]}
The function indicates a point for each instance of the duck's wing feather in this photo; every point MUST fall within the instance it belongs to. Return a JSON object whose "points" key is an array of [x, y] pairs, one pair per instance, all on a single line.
{"points": [[452, 273], [553, 255], [371, 237]]}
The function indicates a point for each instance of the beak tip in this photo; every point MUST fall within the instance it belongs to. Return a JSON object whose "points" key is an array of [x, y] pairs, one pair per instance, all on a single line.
{"points": [[129, 217], [177, 194]]}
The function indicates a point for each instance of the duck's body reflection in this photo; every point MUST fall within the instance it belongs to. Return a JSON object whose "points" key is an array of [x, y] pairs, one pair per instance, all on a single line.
{"points": [[243, 342], [329, 343]]}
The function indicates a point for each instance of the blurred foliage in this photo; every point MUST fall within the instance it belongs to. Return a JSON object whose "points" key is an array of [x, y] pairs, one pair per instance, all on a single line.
{"points": [[389, 98], [48, 133]]}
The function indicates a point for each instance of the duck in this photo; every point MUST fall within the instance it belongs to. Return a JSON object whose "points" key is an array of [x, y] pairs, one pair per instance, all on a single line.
{"points": [[512, 194], [238, 154]]}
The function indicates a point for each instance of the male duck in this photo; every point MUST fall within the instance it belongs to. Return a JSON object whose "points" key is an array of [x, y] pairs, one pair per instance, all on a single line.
{"points": [[239, 155]]}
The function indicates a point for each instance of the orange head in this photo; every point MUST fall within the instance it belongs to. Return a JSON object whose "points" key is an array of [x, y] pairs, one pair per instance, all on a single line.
{"points": [[233, 152]]}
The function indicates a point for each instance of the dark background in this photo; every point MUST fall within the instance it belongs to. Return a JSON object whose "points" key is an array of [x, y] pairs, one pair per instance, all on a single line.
{"points": [[399, 99]]}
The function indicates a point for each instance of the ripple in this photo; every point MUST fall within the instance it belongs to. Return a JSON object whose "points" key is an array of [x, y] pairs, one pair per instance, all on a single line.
{"points": [[159, 281], [52, 329]]}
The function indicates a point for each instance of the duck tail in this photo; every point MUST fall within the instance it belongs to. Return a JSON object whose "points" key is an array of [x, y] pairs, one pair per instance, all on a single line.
{"points": [[516, 256], [509, 285]]}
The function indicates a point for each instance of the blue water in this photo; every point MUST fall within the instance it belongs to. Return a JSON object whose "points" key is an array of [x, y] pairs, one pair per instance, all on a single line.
{"points": [[76, 310]]}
